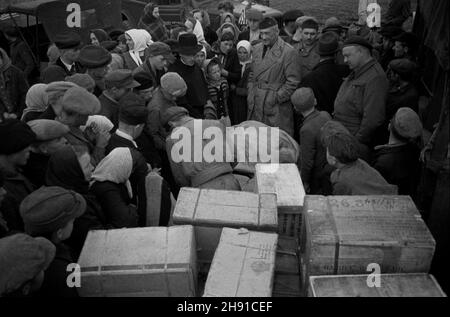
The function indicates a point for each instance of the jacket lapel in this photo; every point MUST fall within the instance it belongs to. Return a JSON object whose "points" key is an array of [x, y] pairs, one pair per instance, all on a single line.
{"points": [[271, 58]]}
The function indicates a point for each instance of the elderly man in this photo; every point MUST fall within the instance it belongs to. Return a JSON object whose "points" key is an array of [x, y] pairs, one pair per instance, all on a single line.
{"points": [[360, 104], [274, 78], [307, 47]]}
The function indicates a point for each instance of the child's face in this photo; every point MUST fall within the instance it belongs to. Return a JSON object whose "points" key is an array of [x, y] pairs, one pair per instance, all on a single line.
{"points": [[200, 58], [226, 46], [243, 54], [214, 72]]}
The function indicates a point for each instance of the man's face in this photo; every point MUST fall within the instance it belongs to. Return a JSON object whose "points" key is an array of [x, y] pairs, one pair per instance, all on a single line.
{"points": [[94, 40], [399, 49], [352, 56], [198, 16], [253, 25], [200, 58], [309, 35], [269, 36], [156, 12], [188, 59], [119, 92], [159, 62], [21, 158]]}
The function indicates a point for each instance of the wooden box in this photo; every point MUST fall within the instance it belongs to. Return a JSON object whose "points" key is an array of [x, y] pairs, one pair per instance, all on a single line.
{"points": [[211, 210], [391, 285], [159, 199], [283, 180], [152, 261], [243, 265], [287, 273], [344, 234]]}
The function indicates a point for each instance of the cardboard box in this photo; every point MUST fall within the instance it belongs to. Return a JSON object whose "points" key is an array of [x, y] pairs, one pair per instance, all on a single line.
{"points": [[284, 181], [211, 210], [344, 234], [287, 273], [152, 261], [391, 285], [243, 265]]}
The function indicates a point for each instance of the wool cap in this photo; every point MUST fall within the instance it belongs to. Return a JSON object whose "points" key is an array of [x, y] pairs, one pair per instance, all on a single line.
{"points": [[158, 48], [50, 208], [94, 56], [302, 19], [47, 130], [15, 136], [132, 109], [407, 123], [253, 14], [292, 15], [67, 40], [173, 113], [173, 83], [267, 22], [358, 40], [303, 99], [82, 80], [80, 101], [310, 24], [120, 78], [22, 258]]}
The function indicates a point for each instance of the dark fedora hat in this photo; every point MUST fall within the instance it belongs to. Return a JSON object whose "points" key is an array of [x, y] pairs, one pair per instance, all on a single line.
{"points": [[188, 45], [328, 44]]}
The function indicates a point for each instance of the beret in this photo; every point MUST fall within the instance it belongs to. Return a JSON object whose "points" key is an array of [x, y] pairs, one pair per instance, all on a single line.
{"points": [[267, 22], [93, 56], [407, 123], [15, 136], [120, 78], [403, 66], [303, 99], [292, 15], [80, 101], [83, 80], [47, 130], [132, 109], [109, 45], [310, 24], [173, 113], [253, 14], [158, 48], [22, 258], [50, 208], [173, 83], [358, 40], [67, 40]]}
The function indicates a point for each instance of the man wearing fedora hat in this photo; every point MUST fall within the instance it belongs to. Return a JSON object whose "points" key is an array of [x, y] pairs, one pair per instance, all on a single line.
{"points": [[197, 96], [275, 75], [327, 76]]}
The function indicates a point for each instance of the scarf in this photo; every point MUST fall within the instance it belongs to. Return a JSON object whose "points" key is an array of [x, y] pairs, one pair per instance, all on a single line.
{"points": [[142, 39], [36, 99], [198, 31], [101, 122], [116, 167], [248, 48]]}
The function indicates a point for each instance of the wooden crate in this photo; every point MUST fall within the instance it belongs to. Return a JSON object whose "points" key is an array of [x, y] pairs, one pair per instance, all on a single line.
{"points": [[157, 202], [152, 261], [344, 234], [391, 285], [283, 180], [211, 210], [243, 265], [287, 275]]}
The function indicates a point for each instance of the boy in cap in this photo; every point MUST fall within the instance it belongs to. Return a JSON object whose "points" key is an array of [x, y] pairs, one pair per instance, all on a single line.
{"points": [[275, 76], [353, 176], [50, 137], [67, 64], [307, 46], [96, 60], [251, 34], [117, 84], [312, 151], [83, 80], [23, 260], [157, 57], [15, 146], [398, 160], [50, 212]]}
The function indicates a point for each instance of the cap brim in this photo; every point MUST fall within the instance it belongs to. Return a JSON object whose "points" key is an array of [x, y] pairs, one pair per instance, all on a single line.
{"points": [[189, 50]]}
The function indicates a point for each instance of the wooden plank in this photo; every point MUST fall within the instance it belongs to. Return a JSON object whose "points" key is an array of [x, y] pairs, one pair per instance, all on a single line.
{"points": [[344, 234], [152, 261], [243, 265], [391, 285], [287, 275]]}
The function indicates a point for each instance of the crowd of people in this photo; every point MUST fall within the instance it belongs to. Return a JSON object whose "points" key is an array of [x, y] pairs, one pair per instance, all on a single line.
{"points": [[77, 143]]}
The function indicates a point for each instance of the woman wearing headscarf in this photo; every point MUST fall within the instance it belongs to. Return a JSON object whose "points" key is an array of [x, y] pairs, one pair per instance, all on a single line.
{"points": [[70, 168], [239, 91], [225, 52], [98, 35], [137, 41], [228, 27], [110, 184], [36, 101], [228, 17], [152, 22], [203, 17]]}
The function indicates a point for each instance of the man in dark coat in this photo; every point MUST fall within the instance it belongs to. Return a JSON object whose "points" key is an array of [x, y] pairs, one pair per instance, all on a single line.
{"points": [[13, 89], [289, 24], [66, 65], [157, 57], [326, 77]]}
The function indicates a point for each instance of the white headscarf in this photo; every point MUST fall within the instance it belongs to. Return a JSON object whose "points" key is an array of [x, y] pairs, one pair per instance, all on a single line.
{"points": [[36, 99], [142, 39], [102, 122], [248, 47], [116, 167], [198, 31]]}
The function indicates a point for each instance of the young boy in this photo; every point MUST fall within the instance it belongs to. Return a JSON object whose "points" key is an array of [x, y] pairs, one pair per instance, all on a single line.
{"points": [[50, 212], [312, 151], [218, 91], [353, 176]]}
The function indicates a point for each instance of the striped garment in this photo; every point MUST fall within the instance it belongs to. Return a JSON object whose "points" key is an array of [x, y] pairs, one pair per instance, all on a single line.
{"points": [[219, 94]]}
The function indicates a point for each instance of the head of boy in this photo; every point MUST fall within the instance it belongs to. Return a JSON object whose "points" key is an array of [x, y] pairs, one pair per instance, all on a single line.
{"points": [[342, 149], [214, 70], [303, 100]]}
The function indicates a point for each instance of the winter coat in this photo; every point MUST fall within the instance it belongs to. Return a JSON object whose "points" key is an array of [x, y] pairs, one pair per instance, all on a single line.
{"points": [[238, 98], [309, 57]]}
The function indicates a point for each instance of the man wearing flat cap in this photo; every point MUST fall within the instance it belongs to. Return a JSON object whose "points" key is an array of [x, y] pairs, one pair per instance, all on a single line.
{"points": [[67, 64], [307, 46], [157, 57], [50, 212], [50, 137], [360, 104], [275, 76], [95, 59], [289, 24], [252, 33]]}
